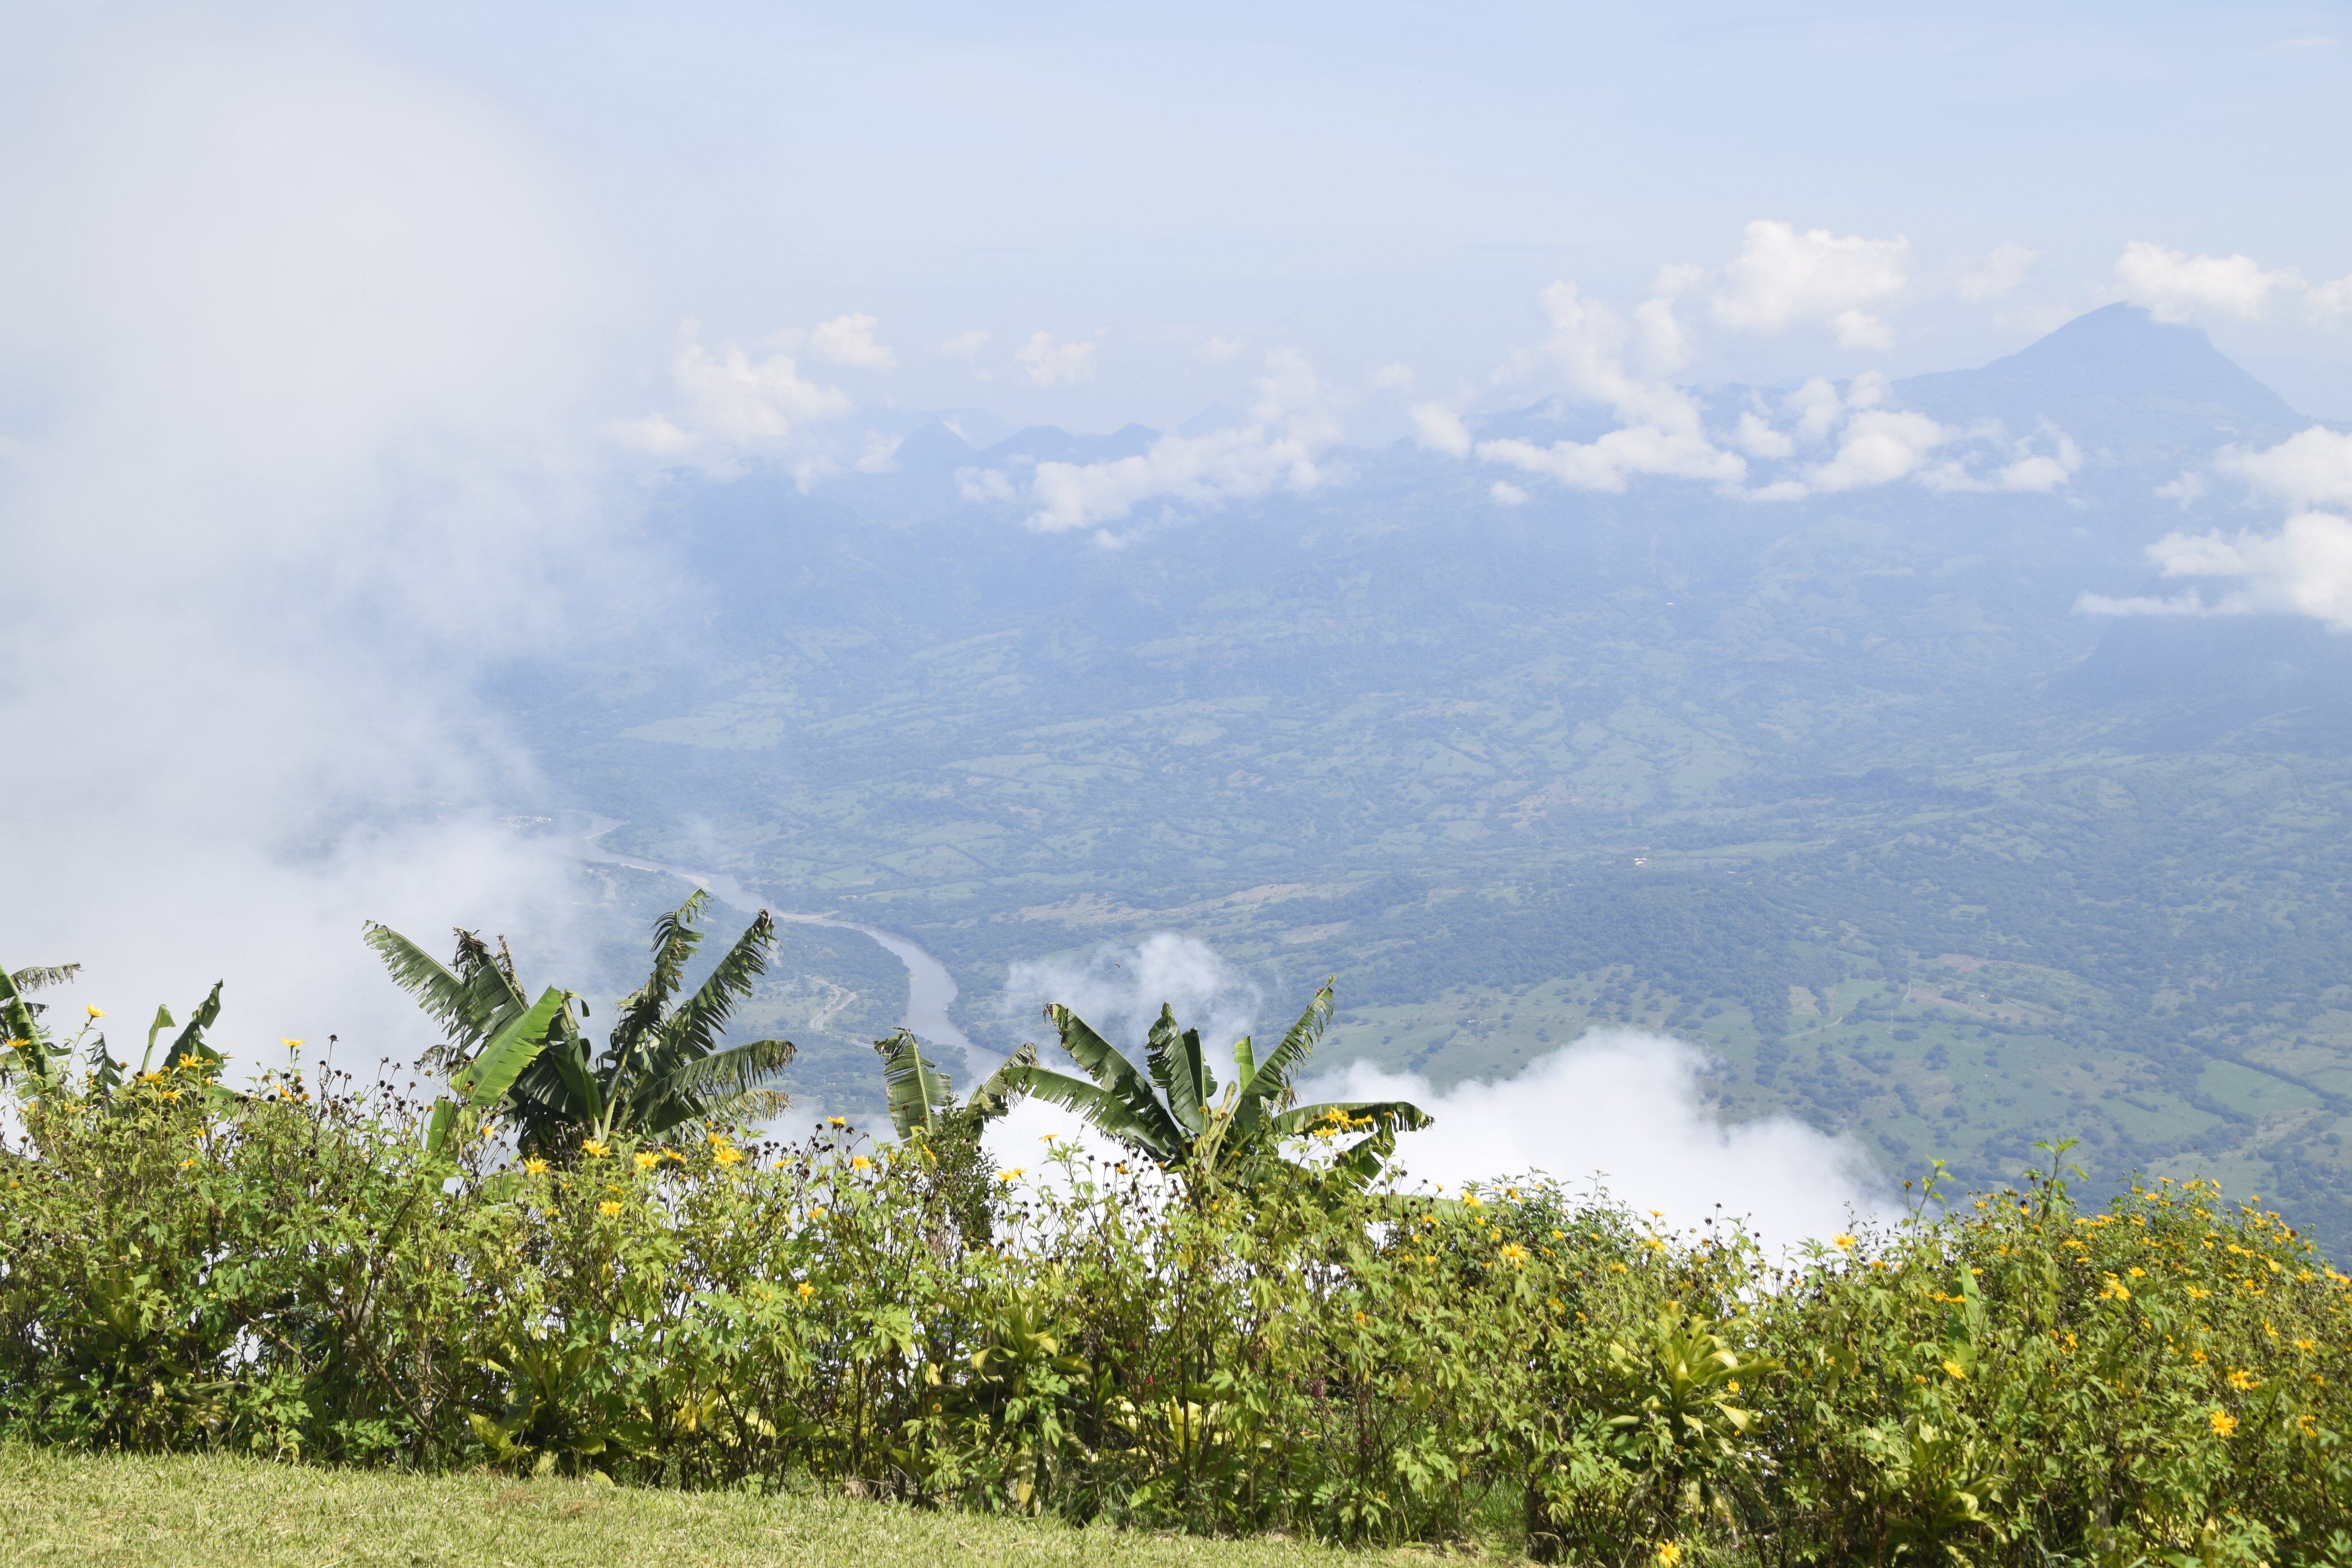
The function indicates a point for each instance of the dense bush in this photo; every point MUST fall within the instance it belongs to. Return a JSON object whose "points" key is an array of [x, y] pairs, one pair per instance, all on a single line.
{"points": [[2018, 1382]]}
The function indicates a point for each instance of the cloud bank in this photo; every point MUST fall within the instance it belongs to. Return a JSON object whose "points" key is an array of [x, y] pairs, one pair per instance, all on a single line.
{"points": [[290, 352]]}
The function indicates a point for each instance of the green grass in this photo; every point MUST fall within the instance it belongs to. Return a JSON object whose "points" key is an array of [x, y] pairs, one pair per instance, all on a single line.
{"points": [[192, 1512]]}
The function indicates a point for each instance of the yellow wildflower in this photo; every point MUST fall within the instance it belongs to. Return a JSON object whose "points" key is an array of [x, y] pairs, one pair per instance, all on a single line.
{"points": [[2222, 1422], [645, 1161], [1515, 1252], [836, 1121], [95, 1012], [2242, 1381], [1669, 1555], [806, 1289], [289, 1044], [860, 1162], [2306, 1344], [1009, 1178], [1954, 1370], [535, 1167], [608, 1207], [593, 1149], [727, 1156]]}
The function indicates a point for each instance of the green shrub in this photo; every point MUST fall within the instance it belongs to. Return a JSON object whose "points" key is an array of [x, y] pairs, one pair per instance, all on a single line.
{"points": [[294, 1275]]}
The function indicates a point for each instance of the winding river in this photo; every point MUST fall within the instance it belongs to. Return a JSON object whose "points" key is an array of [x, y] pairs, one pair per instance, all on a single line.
{"points": [[929, 988]]}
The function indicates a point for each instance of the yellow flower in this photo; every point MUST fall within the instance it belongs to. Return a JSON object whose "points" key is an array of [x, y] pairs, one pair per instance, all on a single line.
{"points": [[2243, 1381], [535, 1167], [2198, 1357], [806, 1289], [1669, 1555], [1515, 1252], [592, 1147], [2135, 1271], [1842, 1241], [1048, 1137], [646, 1162], [860, 1162], [608, 1207], [95, 1012], [1954, 1370], [2307, 1425], [727, 1156], [1731, 1387], [2306, 1344], [1470, 1200], [2223, 1423], [1009, 1178], [836, 1121]]}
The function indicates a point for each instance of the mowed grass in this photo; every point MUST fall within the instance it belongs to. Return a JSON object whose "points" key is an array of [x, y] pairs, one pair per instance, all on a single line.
{"points": [[196, 1511]]}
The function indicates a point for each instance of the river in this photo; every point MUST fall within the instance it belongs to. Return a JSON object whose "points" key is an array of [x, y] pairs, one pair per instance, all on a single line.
{"points": [[929, 988]]}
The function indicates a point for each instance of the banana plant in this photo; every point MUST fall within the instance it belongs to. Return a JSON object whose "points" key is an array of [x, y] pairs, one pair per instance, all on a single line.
{"points": [[1171, 1112], [26, 1048], [529, 1063], [922, 1100]]}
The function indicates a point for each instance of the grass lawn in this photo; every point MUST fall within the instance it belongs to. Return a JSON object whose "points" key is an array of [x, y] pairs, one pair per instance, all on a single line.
{"points": [[196, 1511]]}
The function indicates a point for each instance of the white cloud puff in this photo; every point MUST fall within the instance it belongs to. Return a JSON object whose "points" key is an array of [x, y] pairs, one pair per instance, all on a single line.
{"points": [[1506, 494], [965, 345], [1441, 429], [1661, 435], [1878, 446], [849, 341], [733, 407], [1291, 422], [1048, 363], [2175, 286], [1216, 350], [2305, 569], [1627, 1112], [2312, 467], [1782, 278]]}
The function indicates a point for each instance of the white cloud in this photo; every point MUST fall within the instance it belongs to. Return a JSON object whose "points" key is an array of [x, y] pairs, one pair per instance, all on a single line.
{"points": [[1507, 494], [965, 345], [733, 407], [1627, 1110], [2311, 467], [1215, 350], [1441, 429], [1620, 455], [1393, 376], [1878, 446], [2040, 472], [1291, 422], [1048, 363], [1661, 435], [2305, 569], [1782, 278], [1817, 407], [2175, 286], [2002, 269], [1118, 989], [345, 320], [849, 341], [2329, 302], [1755, 436]]}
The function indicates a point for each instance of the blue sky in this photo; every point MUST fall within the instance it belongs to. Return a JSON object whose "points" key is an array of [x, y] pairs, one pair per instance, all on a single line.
{"points": [[1369, 184], [1384, 183]]}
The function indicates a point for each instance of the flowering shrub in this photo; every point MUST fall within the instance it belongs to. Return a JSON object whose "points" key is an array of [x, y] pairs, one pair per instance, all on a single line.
{"points": [[2019, 1382]]}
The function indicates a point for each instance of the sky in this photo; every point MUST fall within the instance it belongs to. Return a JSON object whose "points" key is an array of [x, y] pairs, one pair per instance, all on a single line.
{"points": [[338, 342]]}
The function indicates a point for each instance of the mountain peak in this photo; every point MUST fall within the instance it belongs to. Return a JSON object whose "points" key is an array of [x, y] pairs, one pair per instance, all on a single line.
{"points": [[2115, 377]]}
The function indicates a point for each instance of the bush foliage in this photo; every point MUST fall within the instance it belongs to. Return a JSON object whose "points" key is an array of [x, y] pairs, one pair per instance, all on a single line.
{"points": [[290, 1272]]}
